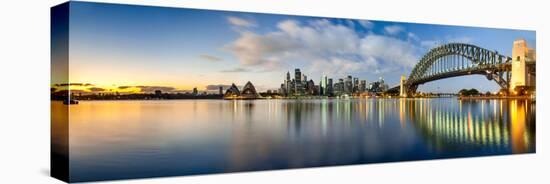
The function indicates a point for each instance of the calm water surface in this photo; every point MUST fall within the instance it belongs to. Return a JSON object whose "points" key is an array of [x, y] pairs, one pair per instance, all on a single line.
{"points": [[128, 139]]}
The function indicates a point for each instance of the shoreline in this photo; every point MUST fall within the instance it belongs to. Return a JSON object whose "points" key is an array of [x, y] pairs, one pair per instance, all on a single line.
{"points": [[496, 98], [327, 98]]}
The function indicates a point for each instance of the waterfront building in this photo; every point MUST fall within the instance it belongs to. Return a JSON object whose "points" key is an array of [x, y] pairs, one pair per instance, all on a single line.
{"points": [[348, 86], [287, 84], [195, 91], [232, 92], [330, 88], [310, 88], [341, 87], [249, 91], [378, 86], [362, 86], [298, 86], [323, 86], [355, 85]]}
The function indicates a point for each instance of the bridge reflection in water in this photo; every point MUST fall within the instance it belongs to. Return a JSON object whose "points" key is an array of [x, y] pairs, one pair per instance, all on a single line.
{"points": [[497, 124]]}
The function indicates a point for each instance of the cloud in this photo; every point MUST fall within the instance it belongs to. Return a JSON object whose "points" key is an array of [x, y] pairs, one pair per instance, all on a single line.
{"points": [[391, 50], [215, 87], [412, 37], [366, 24], [292, 40], [393, 30], [73, 84], [240, 22], [96, 89], [235, 70], [321, 46], [340, 66], [210, 58], [150, 89]]}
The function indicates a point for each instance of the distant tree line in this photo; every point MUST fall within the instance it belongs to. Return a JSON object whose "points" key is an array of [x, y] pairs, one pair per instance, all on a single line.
{"points": [[468, 92], [63, 95], [472, 92]]}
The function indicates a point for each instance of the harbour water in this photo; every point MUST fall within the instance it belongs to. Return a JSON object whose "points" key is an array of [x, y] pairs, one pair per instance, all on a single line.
{"points": [[128, 139]]}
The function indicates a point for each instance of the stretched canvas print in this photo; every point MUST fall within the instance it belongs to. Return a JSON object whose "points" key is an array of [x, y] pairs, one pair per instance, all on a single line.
{"points": [[142, 91]]}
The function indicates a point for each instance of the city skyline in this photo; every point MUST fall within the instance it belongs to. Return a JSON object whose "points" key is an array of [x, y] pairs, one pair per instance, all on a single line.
{"points": [[146, 49]]}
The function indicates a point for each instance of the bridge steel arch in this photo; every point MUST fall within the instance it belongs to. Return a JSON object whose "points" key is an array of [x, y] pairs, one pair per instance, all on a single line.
{"points": [[459, 59]]}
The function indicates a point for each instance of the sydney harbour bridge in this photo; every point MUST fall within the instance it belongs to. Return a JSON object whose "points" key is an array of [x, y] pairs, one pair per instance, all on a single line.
{"points": [[460, 59]]}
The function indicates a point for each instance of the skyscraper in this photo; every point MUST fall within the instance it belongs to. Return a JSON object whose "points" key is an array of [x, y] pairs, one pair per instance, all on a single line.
{"points": [[355, 85], [330, 88], [287, 87], [348, 85], [298, 86], [323, 85], [341, 87]]}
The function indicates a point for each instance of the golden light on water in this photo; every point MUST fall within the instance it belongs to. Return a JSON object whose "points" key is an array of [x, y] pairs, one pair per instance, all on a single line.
{"points": [[517, 126]]}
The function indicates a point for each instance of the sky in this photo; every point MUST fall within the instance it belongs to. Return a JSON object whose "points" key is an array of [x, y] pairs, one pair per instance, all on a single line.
{"points": [[140, 48]]}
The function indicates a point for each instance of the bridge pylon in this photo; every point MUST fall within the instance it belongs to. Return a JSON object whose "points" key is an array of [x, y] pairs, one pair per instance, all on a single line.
{"points": [[402, 89]]}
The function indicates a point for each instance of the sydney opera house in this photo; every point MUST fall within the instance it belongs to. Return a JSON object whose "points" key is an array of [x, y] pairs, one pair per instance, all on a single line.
{"points": [[248, 92]]}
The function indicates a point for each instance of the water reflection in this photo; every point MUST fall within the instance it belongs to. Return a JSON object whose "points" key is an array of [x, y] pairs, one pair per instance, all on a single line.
{"points": [[126, 139], [484, 124]]}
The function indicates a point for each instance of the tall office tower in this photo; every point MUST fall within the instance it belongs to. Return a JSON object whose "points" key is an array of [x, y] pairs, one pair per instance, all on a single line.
{"points": [[297, 82], [303, 90], [355, 85], [323, 85], [292, 87], [348, 85], [287, 83], [362, 86], [310, 89], [221, 90], [330, 88], [341, 86]]}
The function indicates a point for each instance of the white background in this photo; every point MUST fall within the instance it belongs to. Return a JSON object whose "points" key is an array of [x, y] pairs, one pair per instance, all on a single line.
{"points": [[24, 89]]}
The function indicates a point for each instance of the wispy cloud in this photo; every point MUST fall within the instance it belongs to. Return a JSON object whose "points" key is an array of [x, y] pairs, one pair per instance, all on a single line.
{"points": [[150, 89], [234, 70], [393, 29], [412, 37], [213, 87], [96, 89], [366, 24], [210, 58], [73, 84], [236, 21]]}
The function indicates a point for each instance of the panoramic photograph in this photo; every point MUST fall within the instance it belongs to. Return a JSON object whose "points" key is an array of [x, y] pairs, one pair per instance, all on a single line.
{"points": [[143, 91]]}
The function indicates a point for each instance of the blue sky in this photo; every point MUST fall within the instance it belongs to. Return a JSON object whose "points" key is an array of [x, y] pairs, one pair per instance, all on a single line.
{"points": [[121, 45]]}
